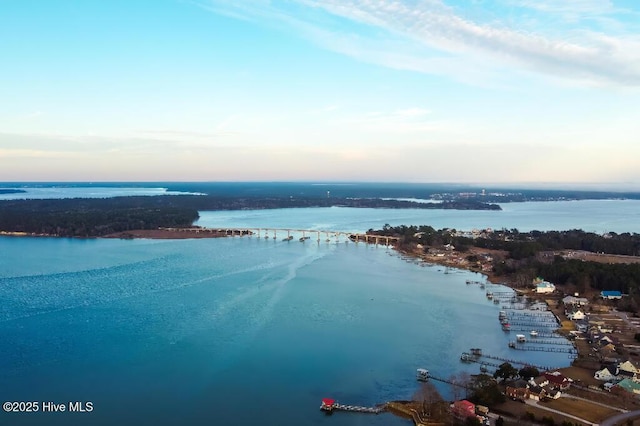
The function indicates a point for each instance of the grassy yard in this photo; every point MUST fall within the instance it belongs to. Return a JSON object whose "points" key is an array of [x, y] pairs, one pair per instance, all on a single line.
{"points": [[583, 409], [520, 410]]}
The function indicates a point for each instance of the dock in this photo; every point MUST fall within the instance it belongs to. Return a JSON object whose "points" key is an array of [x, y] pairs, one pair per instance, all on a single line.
{"points": [[424, 375], [572, 351], [476, 356], [329, 405]]}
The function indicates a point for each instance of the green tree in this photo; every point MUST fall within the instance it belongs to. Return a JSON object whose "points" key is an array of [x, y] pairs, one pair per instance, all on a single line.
{"points": [[506, 371], [528, 372], [485, 390]]}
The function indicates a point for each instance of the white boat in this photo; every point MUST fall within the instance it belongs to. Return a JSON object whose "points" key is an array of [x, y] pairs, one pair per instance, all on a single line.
{"points": [[521, 338], [533, 333]]}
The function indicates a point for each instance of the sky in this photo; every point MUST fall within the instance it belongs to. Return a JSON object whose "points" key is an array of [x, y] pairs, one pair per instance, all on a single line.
{"points": [[475, 91]]}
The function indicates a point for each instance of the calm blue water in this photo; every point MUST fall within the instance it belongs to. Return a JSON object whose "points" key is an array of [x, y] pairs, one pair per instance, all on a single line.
{"points": [[238, 330], [590, 215], [58, 192]]}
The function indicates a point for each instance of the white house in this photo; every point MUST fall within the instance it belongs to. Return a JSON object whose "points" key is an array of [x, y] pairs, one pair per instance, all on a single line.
{"points": [[628, 367], [545, 287], [576, 316], [605, 375]]}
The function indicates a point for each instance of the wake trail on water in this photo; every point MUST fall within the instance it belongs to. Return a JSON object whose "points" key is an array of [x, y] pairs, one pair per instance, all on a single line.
{"points": [[36, 294], [248, 313]]}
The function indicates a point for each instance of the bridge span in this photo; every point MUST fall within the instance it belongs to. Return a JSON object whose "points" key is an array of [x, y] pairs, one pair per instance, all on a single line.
{"points": [[304, 234]]}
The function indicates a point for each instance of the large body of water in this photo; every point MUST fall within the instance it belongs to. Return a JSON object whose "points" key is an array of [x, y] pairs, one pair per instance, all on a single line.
{"points": [[236, 331]]}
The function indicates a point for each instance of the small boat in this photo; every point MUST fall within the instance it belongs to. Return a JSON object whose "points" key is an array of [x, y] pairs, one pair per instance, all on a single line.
{"points": [[502, 314], [484, 368], [521, 338], [476, 351], [512, 345], [496, 301], [533, 333], [289, 238], [506, 326]]}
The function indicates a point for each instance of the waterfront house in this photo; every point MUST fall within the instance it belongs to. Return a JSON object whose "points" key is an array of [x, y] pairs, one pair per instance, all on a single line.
{"points": [[537, 393], [517, 394], [575, 301], [544, 287], [558, 380], [539, 381], [622, 374], [553, 394], [605, 375], [576, 316], [610, 295], [627, 366], [463, 408]]}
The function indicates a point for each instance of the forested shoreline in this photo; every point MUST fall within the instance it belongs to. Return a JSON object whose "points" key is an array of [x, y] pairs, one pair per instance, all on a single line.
{"points": [[94, 217], [518, 257]]}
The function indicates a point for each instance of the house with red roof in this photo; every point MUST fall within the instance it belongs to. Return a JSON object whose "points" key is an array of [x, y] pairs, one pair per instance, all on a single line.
{"points": [[463, 408], [558, 380]]}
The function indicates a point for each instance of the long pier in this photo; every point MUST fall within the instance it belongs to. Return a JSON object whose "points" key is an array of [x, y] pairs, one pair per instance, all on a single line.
{"points": [[329, 405], [520, 347], [268, 233], [425, 376], [541, 334], [510, 361], [539, 323]]}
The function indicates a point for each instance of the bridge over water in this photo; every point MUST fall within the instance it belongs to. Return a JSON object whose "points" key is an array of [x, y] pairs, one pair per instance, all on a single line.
{"points": [[287, 234]]}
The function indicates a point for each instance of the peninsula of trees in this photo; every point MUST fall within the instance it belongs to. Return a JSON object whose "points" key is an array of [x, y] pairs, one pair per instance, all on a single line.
{"points": [[91, 217]]}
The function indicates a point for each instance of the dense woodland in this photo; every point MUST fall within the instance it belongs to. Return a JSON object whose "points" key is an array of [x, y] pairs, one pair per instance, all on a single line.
{"points": [[91, 217], [530, 254]]}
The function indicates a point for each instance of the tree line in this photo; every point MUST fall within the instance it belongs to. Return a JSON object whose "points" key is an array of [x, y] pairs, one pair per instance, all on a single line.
{"points": [[91, 217], [530, 254]]}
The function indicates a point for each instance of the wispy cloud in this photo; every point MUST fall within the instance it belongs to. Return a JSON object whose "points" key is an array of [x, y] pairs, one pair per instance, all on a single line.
{"points": [[435, 38]]}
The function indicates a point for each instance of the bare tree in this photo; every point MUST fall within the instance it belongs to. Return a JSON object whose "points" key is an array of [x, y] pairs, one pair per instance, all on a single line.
{"points": [[460, 382]]}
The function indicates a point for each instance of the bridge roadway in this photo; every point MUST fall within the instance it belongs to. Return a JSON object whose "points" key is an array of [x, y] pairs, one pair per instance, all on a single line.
{"points": [[306, 234]]}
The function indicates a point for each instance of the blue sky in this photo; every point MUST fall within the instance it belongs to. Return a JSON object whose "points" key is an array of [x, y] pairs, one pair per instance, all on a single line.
{"points": [[478, 91]]}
